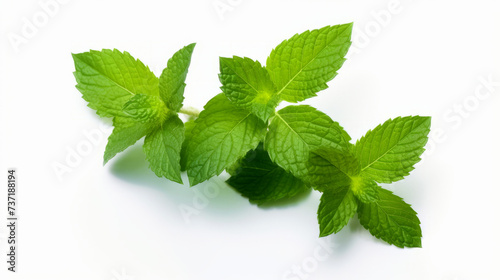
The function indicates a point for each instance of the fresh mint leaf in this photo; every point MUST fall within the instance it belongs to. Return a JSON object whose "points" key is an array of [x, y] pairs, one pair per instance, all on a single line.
{"points": [[172, 79], [302, 65], [125, 133], [247, 84], [109, 78], [146, 109], [261, 180], [163, 147], [391, 219], [388, 153], [222, 134], [295, 131], [336, 208]]}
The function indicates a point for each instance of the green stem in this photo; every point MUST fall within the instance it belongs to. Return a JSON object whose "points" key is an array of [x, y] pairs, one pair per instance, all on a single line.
{"points": [[190, 111]]}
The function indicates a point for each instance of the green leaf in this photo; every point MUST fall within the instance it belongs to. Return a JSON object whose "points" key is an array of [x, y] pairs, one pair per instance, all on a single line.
{"points": [[388, 153], [261, 180], [391, 220], [109, 78], [125, 133], [234, 168], [188, 127], [222, 134], [163, 147], [366, 190], [247, 84], [173, 76], [295, 131], [336, 208], [146, 109], [302, 65], [329, 166]]}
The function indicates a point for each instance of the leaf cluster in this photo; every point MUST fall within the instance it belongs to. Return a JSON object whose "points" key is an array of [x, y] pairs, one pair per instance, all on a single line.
{"points": [[270, 154]]}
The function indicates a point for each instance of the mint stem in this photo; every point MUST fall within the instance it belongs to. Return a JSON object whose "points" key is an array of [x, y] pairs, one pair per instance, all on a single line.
{"points": [[190, 111]]}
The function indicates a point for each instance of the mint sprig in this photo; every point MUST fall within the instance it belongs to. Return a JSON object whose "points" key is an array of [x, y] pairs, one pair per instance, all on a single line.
{"points": [[117, 85], [385, 154], [270, 154], [297, 69]]}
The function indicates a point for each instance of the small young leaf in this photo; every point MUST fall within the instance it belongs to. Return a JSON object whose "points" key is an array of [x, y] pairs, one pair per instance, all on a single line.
{"points": [[222, 134], [295, 131], [146, 109], [336, 208], [388, 153], [163, 147], [366, 190], [302, 65], [391, 219], [173, 76], [328, 166], [109, 78], [126, 132], [247, 84], [261, 180]]}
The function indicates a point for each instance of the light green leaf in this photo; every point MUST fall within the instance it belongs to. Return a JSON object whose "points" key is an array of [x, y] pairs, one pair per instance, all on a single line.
{"points": [[366, 190], [392, 220], [125, 133], [261, 180], [388, 153], [302, 65], [146, 109], [108, 78], [173, 76], [336, 208], [247, 84], [295, 131], [222, 134], [163, 147]]}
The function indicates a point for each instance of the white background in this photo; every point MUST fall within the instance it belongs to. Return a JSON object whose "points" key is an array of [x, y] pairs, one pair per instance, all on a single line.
{"points": [[122, 222]]}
